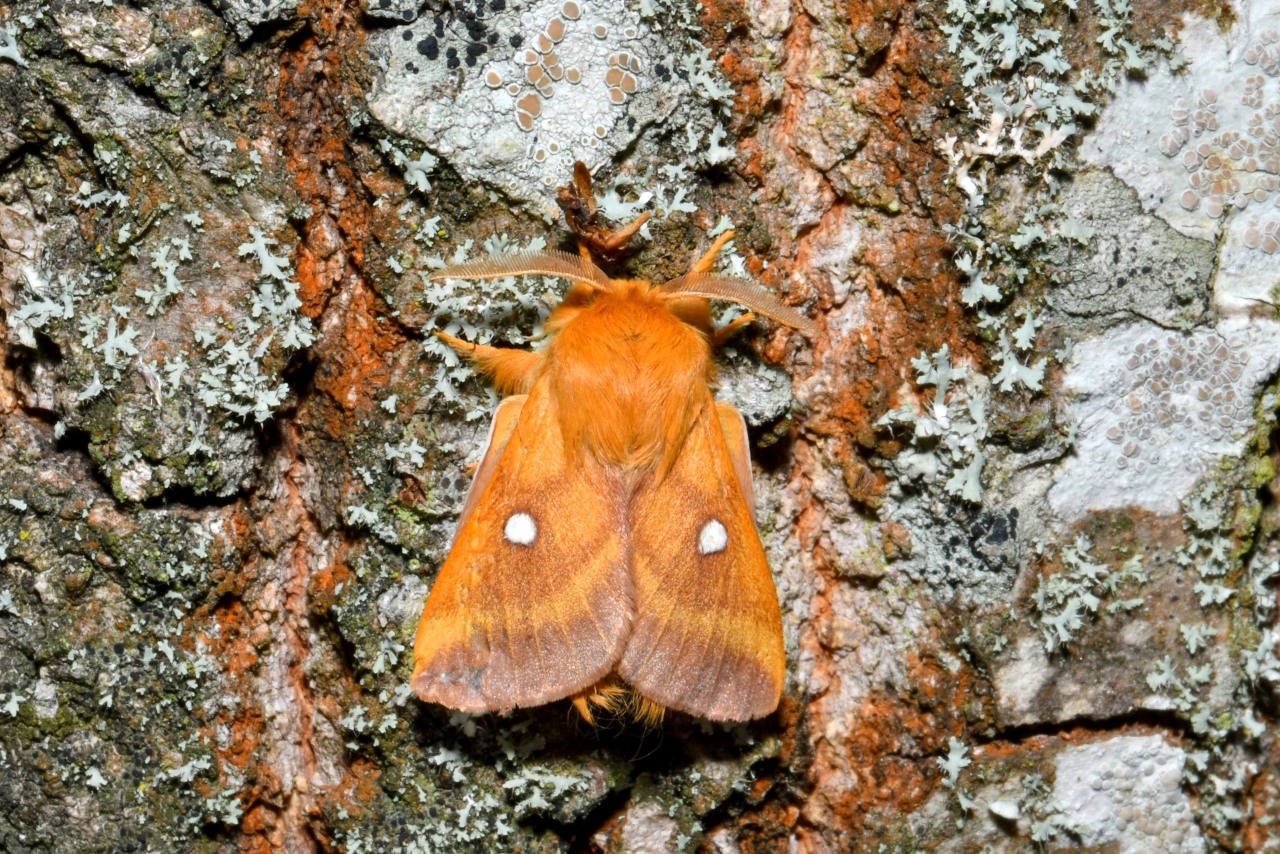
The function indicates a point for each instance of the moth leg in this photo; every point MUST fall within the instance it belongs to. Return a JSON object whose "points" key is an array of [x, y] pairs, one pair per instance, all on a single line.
{"points": [[618, 238], [731, 329], [512, 371], [707, 262], [578, 202], [694, 311]]}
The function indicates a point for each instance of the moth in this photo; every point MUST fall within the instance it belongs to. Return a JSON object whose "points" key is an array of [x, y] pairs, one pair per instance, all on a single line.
{"points": [[607, 548]]}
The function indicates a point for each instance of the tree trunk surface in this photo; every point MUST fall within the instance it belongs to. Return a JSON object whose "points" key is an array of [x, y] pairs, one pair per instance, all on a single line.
{"points": [[1017, 494]]}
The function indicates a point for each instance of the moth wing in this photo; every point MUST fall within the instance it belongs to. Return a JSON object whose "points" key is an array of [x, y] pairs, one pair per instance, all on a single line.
{"points": [[532, 603], [707, 636], [505, 418], [738, 444]]}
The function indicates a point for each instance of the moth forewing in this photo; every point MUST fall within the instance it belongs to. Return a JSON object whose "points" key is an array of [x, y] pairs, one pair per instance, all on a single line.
{"points": [[707, 635], [506, 626], [500, 429], [738, 444]]}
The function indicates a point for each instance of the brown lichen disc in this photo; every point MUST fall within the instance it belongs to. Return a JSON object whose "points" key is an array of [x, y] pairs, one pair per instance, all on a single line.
{"points": [[531, 104]]}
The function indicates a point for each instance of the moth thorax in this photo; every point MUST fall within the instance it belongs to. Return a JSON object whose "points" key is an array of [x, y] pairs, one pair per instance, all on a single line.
{"points": [[628, 379]]}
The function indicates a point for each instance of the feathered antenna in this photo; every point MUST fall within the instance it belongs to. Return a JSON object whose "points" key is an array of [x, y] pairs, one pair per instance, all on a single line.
{"points": [[743, 292], [550, 262]]}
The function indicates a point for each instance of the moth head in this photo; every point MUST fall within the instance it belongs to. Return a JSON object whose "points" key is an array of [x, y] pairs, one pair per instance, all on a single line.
{"points": [[740, 291]]}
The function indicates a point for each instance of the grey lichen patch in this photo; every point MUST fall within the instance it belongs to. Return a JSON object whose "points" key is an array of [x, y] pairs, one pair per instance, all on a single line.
{"points": [[1210, 164], [946, 449], [411, 479], [447, 780], [9, 46], [1156, 409], [1133, 264], [1234, 166], [994, 800], [120, 37], [133, 333], [1106, 629], [144, 451], [1127, 792], [170, 53], [672, 801], [108, 688], [1169, 422], [395, 10], [376, 611], [974, 552], [1119, 794], [762, 393], [245, 15], [513, 95], [1078, 588], [452, 794]]}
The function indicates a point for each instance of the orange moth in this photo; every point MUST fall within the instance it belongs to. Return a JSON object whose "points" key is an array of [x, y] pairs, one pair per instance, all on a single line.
{"points": [[607, 550]]}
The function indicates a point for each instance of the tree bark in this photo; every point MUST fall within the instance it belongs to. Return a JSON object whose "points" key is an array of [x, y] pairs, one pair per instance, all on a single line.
{"points": [[1018, 494]]}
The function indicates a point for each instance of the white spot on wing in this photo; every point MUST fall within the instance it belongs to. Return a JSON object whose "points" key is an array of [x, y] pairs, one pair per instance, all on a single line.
{"points": [[712, 538], [521, 529]]}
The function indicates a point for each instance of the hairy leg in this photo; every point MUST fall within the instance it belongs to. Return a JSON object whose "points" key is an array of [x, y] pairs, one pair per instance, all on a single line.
{"points": [[707, 262], [512, 371]]}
